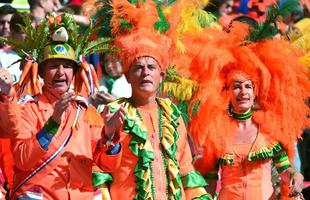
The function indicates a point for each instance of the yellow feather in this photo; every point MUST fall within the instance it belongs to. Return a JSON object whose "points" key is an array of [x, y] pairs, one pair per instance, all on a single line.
{"points": [[305, 60], [302, 42], [180, 88]]}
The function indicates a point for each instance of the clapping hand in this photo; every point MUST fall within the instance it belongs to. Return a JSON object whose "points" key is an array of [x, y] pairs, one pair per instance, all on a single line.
{"points": [[62, 105], [113, 121]]}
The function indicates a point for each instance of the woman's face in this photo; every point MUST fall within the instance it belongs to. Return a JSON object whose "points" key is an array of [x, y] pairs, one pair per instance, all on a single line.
{"points": [[113, 66], [242, 95], [226, 7]]}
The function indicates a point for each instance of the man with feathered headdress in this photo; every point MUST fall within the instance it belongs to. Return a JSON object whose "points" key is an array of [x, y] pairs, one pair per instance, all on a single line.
{"points": [[146, 132]]}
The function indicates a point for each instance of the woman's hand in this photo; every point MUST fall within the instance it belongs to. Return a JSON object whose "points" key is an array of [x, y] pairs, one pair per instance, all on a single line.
{"points": [[296, 183]]}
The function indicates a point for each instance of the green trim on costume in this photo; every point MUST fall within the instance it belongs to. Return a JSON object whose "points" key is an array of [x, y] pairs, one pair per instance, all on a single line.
{"points": [[227, 159], [193, 179], [283, 168], [204, 197], [163, 156], [280, 157], [100, 178], [211, 176], [51, 126], [265, 152], [243, 116], [170, 115], [141, 147], [281, 161], [274, 150]]}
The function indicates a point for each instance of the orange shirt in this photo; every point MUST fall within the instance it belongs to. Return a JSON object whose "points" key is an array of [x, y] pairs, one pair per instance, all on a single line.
{"points": [[6, 160], [124, 184], [68, 176], [244, 179]]}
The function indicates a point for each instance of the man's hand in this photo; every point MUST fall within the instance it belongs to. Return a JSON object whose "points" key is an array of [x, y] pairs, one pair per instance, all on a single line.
{"points": [[61, 106], [113, 121], [6, 82], [102, 98]]}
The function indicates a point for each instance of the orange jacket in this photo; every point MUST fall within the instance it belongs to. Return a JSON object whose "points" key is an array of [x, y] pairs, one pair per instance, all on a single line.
{"points": [[68, 176], [122, 169]]}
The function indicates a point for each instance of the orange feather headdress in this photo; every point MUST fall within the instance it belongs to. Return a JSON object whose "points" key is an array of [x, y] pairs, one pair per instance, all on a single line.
{"points": [[137, 29], [281, 88]]}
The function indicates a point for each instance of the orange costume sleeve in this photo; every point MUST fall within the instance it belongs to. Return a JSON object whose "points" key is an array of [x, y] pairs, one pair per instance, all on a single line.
{"points": [[77, 155], [23, 123]]}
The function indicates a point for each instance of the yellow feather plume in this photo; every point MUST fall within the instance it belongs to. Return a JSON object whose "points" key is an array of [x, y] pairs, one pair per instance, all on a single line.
{"points": [[302, 42], [179, 87]]}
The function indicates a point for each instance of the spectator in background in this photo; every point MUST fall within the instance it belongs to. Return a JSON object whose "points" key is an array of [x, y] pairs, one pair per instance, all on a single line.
{"points": [[39, 8], [113, 83], [6, 13], [76, 11], [223, 10], [9, 57]]}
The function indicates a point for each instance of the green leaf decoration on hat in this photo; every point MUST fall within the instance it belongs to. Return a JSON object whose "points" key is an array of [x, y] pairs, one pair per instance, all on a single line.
{"points": [[41, 36]]}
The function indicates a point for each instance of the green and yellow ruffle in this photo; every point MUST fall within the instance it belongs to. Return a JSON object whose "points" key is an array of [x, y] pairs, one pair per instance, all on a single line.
{"points": [[274, 150], [141, 147]]}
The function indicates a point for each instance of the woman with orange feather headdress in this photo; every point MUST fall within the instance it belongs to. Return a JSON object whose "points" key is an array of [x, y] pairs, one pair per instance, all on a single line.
{"points": [[264, 87]]}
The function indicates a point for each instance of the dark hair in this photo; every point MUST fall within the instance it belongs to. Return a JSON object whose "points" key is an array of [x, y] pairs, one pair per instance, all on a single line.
{"points": [[246, 19], [72, 9], [16, 20], [33, 4], [214, 5], [7, 9]]}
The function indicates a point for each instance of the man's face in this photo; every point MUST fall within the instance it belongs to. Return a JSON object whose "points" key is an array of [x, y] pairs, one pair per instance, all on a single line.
{"points": [[57, 75], [145, 75], [5, 24]]}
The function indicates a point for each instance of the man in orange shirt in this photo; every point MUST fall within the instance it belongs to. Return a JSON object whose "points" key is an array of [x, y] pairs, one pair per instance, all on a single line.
{"points": [[148, 134], [55, 134]]}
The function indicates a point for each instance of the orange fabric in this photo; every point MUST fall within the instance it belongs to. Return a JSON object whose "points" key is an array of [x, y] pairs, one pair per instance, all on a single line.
{"points": [[123, 185], [6, 161], [275, 76], [244, 178], [69, 175]]}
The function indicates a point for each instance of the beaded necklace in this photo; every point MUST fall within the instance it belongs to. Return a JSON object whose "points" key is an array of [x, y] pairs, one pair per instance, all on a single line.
{"points": [[243, 116], [162, 153]]}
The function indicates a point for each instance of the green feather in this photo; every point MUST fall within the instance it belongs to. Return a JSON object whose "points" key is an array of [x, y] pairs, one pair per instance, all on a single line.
{"points": [[101, 48], [95, 44], [269, 28], [162, 24]]}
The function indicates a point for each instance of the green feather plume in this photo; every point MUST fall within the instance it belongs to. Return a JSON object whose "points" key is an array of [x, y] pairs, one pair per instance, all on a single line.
{"points": [[269, 28]]}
